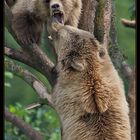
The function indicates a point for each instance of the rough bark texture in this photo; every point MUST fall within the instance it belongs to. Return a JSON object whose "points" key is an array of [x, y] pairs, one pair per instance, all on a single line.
{"points": [[95, 18], [132, 105], [98, 17], [99, 21], [88, 15], [115, 53], [29, 78]]}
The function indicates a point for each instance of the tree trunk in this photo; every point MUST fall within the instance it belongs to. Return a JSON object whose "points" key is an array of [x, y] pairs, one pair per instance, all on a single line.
{"points": [[132, 105]]}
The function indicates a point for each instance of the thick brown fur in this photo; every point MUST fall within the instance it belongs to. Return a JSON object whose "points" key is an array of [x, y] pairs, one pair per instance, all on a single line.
{"points": [[89, 95], [29, 17]]}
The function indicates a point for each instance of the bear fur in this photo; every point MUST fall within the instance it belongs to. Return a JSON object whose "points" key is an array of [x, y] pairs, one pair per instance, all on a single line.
{"points": [[29, 17], [89, 94]]}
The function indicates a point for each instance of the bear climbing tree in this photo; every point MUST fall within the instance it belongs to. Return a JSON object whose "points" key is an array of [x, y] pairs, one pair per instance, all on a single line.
{"points": [[98, 18]]}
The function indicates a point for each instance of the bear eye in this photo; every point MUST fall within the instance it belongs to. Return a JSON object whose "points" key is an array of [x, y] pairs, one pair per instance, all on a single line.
{"points": [[101, 53], [47, 1]]}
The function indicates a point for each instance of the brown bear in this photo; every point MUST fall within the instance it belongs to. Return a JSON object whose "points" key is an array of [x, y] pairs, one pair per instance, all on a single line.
{"points": [[89, 94], [29, 17]]}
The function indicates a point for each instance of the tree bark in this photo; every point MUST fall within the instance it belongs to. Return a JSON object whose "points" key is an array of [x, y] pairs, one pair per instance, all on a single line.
{"points": [[132, 105], [98, 17], [26, 128], [88, 14]]}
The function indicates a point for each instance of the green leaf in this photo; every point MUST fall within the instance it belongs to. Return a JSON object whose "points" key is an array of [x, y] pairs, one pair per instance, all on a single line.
{"points": [[7, 84], [8, 74], [9, 40], [12, 109]]}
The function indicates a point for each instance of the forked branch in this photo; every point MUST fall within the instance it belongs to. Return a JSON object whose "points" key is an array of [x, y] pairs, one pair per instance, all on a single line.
{"points": [[41, 62], [37, 58], [132, 105], [31, 80], [19, 55]]}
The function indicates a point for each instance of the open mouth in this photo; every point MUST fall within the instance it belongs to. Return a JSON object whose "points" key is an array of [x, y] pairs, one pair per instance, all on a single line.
{"points": [[59, 16]]}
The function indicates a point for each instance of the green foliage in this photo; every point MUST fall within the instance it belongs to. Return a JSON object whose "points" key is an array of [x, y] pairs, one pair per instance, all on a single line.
{"points": [[8, 75], [9, 40], [42, 119], [20, 91], [47, 48], [132, 10], [126, 36]]}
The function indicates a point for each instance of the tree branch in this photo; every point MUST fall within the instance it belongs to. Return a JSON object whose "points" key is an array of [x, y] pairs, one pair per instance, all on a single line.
{"points": [[34, 57], [132, 105], [99, 21], [31, 80], [39, 59], [33, 105], [24, 127], [127, 70], [107, 22], [42, 62], [128, 23], [88, 14], [96, 18], [114, 51], [19, 56], [123, 68], [103, 21]]}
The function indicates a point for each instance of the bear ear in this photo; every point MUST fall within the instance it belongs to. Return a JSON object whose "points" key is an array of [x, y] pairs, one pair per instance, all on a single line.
{"points": [[78, 65], [74, 63]]}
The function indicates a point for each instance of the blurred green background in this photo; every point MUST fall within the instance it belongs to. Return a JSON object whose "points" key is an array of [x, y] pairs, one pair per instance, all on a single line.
{"points": [[18, 94], [126, 36]]}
